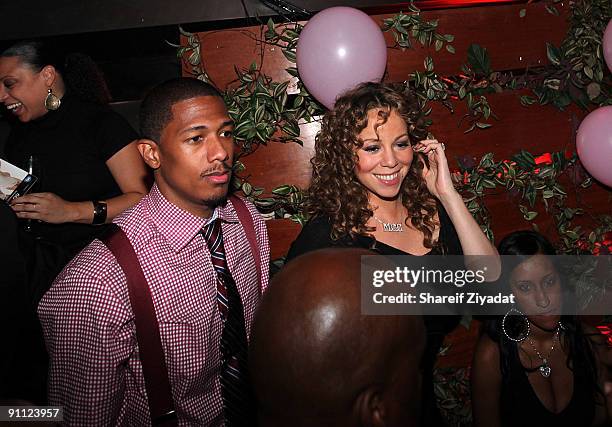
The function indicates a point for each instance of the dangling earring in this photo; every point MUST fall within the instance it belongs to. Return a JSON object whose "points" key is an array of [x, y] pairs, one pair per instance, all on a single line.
{"points": [[519, 338], [52, 102]]}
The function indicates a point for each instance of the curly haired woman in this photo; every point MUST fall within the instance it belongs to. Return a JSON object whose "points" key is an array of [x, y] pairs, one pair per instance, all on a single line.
{"points": [[378, 183]]}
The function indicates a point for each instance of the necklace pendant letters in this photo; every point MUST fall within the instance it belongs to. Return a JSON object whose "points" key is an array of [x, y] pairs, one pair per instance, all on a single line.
{"points": [[394, 228], [545, 369]]}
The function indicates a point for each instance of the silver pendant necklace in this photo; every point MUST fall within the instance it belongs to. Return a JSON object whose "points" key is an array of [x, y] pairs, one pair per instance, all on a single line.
{"points": [[390, 226], [544, 368]]}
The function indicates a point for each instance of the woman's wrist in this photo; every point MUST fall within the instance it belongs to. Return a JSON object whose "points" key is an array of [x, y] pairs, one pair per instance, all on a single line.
{"points": [[81, 212], [451, 199]]}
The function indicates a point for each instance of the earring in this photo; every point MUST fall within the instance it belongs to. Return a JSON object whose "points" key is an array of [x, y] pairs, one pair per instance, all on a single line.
{"points": [[52, 102], [519, 338]]}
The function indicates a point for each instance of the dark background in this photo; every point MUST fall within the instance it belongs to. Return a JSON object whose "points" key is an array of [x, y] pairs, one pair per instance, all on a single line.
{"points": [[129, 39]]}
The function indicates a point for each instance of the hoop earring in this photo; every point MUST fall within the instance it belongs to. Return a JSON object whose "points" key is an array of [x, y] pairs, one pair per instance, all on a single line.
{"points": [[52, 102], [504, 325]]}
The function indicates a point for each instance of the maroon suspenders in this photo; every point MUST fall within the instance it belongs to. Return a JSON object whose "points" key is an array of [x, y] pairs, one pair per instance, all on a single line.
{"points": [[150, 348], [154, 367], [249, 229]]}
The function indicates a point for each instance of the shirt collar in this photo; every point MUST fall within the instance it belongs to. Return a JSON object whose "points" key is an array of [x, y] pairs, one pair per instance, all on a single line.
{"points": [[178, 226]]}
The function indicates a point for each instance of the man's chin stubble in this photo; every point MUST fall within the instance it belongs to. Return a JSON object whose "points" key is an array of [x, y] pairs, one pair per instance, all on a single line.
{"points": [[214, 202]]}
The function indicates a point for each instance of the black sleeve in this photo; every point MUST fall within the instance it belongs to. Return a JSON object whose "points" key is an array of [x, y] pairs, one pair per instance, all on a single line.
{"points": [[448, 235], [316, 234], [112, 134]]}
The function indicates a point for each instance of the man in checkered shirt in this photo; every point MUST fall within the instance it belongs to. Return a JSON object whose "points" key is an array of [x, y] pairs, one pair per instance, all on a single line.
{"points": [[95, 369]]}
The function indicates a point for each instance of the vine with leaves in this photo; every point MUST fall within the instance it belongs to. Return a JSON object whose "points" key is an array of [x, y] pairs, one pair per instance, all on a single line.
{"points": [[263, 111]]}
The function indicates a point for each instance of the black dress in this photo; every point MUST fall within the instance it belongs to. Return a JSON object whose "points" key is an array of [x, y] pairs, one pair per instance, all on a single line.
{"points": [[521, 407], [316, 234], [72, 145], [15, 312]]}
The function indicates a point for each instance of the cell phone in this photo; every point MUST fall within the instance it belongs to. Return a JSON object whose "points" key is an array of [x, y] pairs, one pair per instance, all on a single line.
{"points": [[23, 188]]}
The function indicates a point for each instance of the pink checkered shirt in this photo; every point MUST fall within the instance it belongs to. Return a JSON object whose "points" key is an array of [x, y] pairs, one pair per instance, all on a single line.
{"points": [[95, 370]]}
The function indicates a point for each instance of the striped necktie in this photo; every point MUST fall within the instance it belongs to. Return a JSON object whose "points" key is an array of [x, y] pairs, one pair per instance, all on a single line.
{"points": [[238, 402]]}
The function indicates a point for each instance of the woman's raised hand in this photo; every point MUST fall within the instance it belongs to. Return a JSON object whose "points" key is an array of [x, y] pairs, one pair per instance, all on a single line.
{"points": [[437, 176]]}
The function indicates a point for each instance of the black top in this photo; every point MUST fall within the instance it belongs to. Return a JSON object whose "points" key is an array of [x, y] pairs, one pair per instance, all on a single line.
{"points": [[520, 406], [316, 234], [72, 145]]}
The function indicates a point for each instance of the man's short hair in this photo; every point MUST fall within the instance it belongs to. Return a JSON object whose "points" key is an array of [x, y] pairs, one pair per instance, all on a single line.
{"points": [[156, 108]]}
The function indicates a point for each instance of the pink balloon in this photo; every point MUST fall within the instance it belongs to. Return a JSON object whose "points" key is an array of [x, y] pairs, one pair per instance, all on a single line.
{"points": [[607, 45], [594, 144], [339, 48]]}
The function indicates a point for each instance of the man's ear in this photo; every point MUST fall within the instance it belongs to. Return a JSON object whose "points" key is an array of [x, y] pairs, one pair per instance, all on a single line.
{"points": [[49, 75], [149, 150], [369, 408]]}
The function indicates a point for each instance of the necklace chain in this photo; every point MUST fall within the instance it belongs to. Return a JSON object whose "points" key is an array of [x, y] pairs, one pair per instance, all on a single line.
{"points": [[545, 367]]}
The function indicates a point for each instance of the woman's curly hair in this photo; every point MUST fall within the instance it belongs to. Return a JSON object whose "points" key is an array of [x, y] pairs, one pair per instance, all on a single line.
{"points": [[336, 192]]}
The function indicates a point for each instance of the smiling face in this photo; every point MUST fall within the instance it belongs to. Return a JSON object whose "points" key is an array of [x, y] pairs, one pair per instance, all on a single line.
{"points": [[536, 286], [22, 90], [385, 157], [194, 158]]}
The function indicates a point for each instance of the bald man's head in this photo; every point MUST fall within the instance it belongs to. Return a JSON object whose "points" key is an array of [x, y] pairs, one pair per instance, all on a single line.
{"points": [[315, 359]]}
